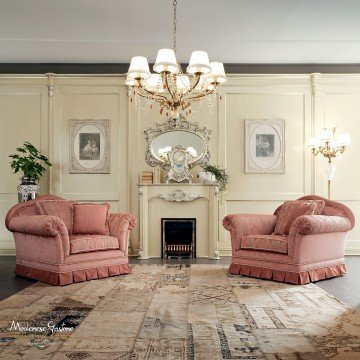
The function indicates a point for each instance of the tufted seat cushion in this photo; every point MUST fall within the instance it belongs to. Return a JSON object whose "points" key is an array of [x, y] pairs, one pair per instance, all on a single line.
{"points": [[88, 243], [271, 243]]}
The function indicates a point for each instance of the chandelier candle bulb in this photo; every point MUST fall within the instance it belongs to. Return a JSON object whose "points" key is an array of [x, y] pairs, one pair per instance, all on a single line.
{"points": [[129, 81], [182, 84], [154, 83]]}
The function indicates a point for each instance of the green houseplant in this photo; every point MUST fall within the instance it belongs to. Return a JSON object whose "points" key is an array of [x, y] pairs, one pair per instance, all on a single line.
{"points": [[31, 162], [221, 176]]}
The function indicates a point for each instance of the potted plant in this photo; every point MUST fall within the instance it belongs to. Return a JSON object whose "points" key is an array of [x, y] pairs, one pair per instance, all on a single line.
{"points": [[31, 163], [220, 175]]}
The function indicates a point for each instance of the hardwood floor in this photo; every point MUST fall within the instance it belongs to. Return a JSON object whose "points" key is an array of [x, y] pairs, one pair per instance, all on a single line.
{"points": [[345, 288]]}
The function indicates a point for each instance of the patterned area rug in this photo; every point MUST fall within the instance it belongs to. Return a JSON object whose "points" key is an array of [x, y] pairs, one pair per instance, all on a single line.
{"points": [[178, 312]]}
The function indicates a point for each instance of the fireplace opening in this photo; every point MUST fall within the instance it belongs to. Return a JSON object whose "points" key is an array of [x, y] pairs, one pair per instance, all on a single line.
{"points": [[178, 237]]}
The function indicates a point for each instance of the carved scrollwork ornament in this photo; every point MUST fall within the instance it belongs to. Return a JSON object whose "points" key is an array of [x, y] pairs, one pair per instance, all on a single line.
{"points": [[51, 84], [178, 195]]}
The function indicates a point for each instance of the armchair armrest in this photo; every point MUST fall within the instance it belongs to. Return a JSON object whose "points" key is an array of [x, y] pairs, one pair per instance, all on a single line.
{"points": [[40, 237], [44, 225], [319, 224], [120, 226], [241, 225]]}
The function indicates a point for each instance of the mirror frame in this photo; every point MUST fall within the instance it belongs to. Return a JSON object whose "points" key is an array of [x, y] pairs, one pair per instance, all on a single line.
{"points": [[177, 124]]}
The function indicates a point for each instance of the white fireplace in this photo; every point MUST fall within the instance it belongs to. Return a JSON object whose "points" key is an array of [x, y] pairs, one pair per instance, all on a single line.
{"points": [[180, 201]]}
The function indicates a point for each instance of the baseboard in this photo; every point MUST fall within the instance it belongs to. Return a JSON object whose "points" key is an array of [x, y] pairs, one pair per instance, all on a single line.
{"points": [[352, 247], [7, 252], [225, 253]]}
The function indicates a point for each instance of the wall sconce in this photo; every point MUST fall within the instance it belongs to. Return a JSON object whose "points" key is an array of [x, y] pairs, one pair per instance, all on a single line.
{"points": [[327, 145]]}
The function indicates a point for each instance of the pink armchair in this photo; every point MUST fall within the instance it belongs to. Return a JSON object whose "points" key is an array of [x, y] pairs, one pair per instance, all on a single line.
{"points": [[45, 251], [313, 250]]}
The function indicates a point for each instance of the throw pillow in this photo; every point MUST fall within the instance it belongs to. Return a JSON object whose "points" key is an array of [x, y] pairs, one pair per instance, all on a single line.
{"points": [[59, 208], [292, 210], [91, 219], [320, 205]]}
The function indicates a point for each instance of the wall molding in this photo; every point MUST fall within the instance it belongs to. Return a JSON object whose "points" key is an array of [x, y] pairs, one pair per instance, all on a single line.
{"points": [[91, 196], [7, 252], [259, 196], [352, 247]]}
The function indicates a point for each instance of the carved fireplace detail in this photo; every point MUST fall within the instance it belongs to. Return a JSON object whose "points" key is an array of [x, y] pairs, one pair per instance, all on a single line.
{"points": [[179, 200]]}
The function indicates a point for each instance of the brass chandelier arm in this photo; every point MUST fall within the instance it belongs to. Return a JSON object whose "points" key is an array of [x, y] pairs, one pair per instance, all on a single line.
{"points": [[183, 97], [197, 80], [202, 95], [327, 152], [154, 95], [168, 86]]}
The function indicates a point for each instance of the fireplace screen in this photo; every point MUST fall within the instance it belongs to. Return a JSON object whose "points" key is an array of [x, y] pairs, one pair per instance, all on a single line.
{"points": [[178, 238]]}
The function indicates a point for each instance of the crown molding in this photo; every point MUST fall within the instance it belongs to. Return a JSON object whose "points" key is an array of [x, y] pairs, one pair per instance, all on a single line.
{"points": [[121, 68]]}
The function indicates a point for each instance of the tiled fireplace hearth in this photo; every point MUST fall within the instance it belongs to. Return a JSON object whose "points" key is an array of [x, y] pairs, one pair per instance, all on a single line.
{"points": [[178, 201]]}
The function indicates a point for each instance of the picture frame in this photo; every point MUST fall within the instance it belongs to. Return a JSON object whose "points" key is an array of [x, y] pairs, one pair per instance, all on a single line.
{"points": [[265, 146], [89, 146]]}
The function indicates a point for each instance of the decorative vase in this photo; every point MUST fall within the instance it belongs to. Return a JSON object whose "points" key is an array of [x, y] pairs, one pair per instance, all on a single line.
{"points": [[206, 177], [330, 169], [28, 189]]}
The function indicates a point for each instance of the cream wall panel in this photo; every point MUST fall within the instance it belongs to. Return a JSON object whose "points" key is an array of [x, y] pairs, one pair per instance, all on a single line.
{"points": [[92, 102], [339, 105], [28, 113], [81, 107], [262, 193], [289, 107], [23, 117], [343, 111]]}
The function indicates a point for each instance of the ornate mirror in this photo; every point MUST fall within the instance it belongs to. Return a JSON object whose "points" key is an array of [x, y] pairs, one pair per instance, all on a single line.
{"points": [[177, 145]]}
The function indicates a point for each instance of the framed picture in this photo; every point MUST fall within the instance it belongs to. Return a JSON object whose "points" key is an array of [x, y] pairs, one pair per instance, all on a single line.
{"points": [[265, 146], [89, 147]]}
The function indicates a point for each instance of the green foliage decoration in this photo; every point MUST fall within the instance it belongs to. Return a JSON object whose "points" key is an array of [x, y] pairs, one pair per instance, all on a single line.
{"points": [[29, 161], [221, 176]]}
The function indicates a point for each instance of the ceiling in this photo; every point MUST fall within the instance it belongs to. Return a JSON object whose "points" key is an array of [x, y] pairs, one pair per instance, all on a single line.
{"points": [[232, 31]]}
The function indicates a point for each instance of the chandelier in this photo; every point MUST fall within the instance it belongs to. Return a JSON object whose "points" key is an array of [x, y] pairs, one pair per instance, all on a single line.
{"points": [[173, 90]]}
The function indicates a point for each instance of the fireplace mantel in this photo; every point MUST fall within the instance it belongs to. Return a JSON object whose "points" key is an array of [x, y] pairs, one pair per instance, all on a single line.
{"points": [[179, 200]]}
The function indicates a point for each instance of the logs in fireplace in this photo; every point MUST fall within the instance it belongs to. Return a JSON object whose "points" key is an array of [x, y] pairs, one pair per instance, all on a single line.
{"points": [[178, 237]]}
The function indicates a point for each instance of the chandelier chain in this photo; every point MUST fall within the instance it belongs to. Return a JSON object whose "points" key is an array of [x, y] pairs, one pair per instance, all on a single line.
{"points": [[174, 25]]}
